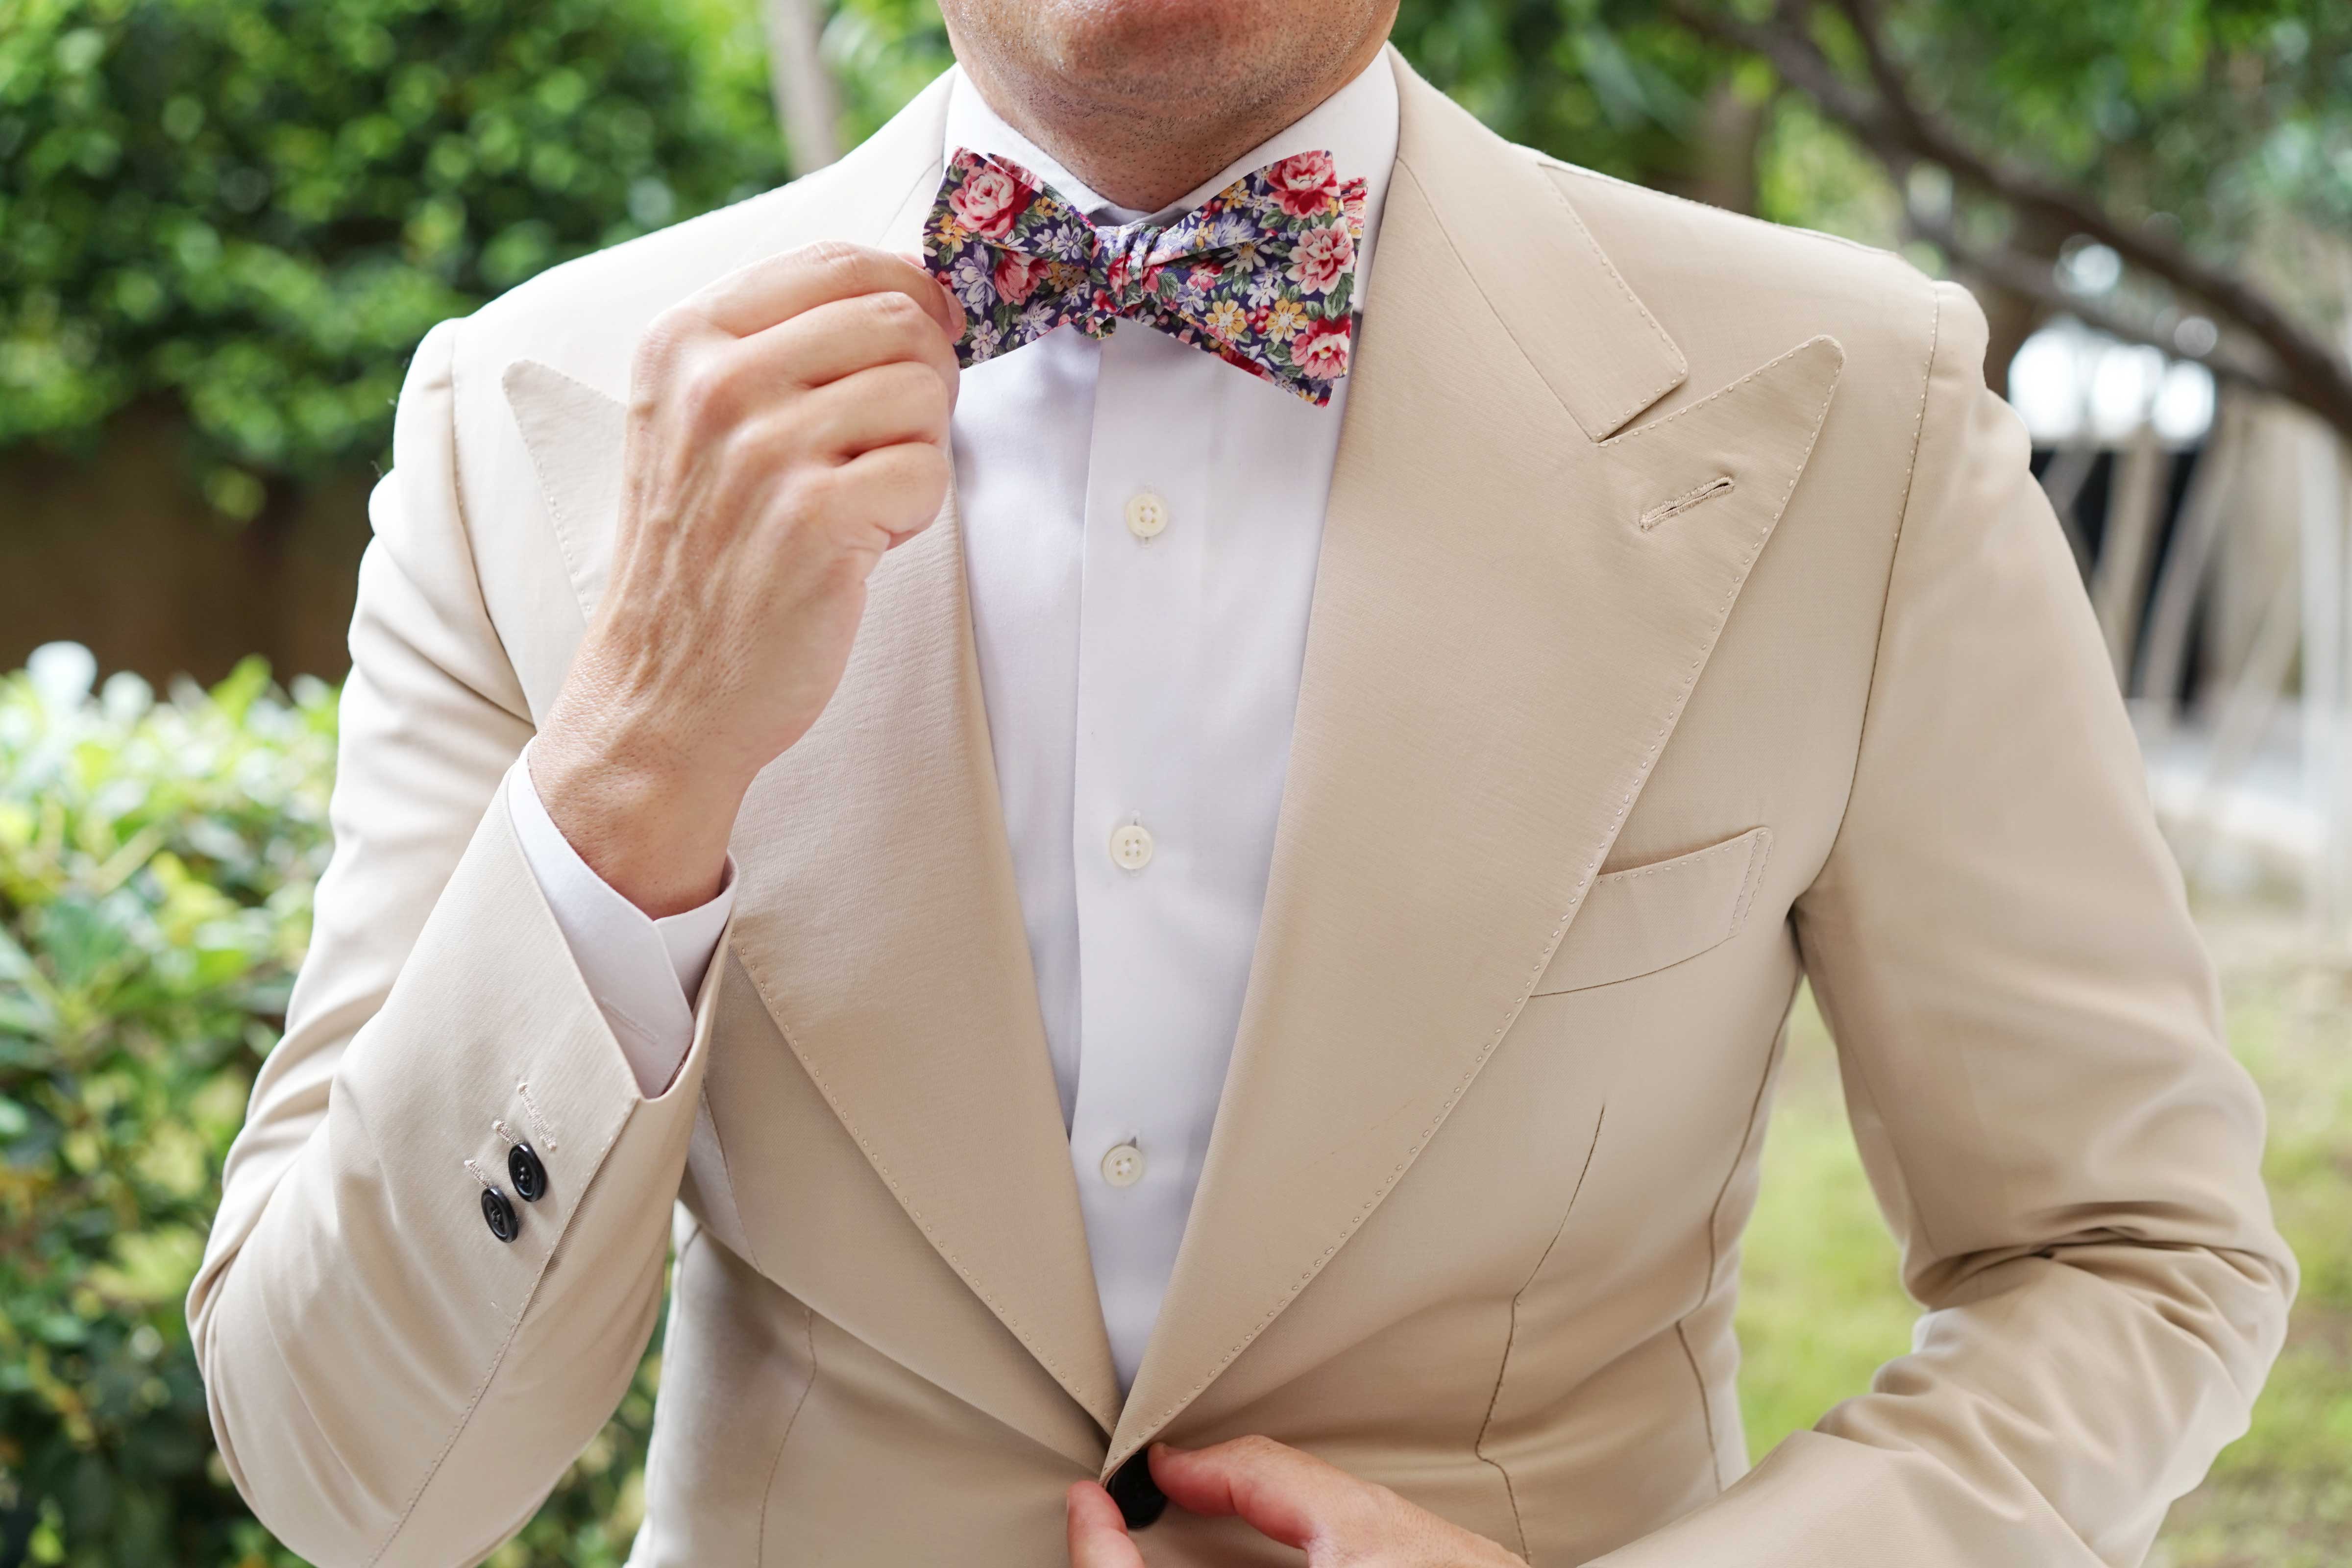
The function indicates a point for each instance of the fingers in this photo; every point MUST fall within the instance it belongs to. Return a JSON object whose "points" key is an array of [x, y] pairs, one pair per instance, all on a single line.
{"points": [[900, 488], [880, 407], [842, 337], [778, 288], [1284, 1494], [1098, 1537]]}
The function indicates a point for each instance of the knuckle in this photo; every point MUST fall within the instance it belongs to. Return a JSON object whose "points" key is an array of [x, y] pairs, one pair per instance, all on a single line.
{"points": [[895, 308], [706, 386], [757, 446], [827, 253], [911, 383], [662, 343], [931, 467], [894, 324], [814, 491], [837, 262]]}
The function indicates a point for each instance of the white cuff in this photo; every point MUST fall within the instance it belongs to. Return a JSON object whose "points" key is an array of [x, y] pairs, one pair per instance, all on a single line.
{"points": [[643, 972]]}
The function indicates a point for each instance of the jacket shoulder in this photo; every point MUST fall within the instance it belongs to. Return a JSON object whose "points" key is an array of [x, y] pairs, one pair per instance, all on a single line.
{"points": [[1734, 292]]}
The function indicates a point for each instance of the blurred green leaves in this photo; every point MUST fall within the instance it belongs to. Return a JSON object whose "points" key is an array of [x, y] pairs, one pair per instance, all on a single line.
{"points": [[156, 862], [255, 208]]}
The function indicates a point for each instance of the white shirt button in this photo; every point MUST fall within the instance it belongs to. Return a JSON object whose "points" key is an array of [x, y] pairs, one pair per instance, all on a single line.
{"points": [[1130, 847], [1123, 1166], [1146, 514]]}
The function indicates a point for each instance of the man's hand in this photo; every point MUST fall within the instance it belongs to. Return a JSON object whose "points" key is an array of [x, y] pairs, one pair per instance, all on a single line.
{"points": [[786, 426], [1290, 1497]]}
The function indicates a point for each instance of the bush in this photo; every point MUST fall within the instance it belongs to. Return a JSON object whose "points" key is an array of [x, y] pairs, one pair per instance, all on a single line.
{"points": [[253, 209], [156, 865]]}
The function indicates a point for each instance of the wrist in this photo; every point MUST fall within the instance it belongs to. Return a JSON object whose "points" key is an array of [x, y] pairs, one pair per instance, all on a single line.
{"points": [[652, 826]]}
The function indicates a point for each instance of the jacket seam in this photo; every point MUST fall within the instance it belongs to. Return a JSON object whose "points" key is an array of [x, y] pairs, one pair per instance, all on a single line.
{"points": [[1756, 1107], [1887, 592], [1706, 1406], [1511, 1336], [776, 1464], [1869, 704]]}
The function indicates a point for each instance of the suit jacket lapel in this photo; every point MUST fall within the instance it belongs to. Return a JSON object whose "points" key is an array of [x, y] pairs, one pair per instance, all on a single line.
{"points": [[1513, 602], [876, 913]]}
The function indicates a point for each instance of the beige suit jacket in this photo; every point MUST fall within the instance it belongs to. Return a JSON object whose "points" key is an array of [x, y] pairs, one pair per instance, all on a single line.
{"points": [[1686, 623]]}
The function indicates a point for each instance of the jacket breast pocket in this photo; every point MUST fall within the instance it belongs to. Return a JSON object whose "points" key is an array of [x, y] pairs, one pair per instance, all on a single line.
{"points": [[1646, 918]]}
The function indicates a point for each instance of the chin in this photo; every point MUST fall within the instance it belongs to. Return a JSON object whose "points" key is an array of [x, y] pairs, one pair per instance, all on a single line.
{"points": [[1141, 48]]}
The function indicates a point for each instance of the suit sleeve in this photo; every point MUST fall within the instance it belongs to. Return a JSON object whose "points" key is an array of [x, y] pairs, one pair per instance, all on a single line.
{"points": [[389, 1383], [2029, 1036]]}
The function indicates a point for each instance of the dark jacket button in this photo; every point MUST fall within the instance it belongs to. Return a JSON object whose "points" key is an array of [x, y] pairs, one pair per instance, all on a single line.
{"points": [[530, 1175], [1138, 1497], [504, 1223]]}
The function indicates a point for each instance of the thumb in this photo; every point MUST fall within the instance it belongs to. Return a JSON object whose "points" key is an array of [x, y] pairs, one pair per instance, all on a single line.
{"points": [[945, 308], [1098, 1537]]}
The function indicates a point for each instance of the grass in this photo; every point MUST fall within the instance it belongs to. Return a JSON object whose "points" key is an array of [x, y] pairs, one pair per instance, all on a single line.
{"points": [[1822, 1306]]}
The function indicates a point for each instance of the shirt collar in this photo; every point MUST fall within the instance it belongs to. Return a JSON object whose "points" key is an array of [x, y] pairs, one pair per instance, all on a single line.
{"points": [[1357, 125]]}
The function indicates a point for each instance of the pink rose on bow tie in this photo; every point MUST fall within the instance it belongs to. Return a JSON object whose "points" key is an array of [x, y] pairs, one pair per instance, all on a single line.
{"points": [[988, 202], [1320, 257], [1321, 350], [1304, 183], [1016, 276]]}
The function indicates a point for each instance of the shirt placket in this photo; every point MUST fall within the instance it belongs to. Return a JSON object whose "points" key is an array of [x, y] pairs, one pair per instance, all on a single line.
{"points": [[1145, 1054]]}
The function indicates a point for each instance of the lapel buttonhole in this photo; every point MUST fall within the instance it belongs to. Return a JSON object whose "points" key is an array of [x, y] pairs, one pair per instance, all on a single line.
{"points": [[1720, 484]]}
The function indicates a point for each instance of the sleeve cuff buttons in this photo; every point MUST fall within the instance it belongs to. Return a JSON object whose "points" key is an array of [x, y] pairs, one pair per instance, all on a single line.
{"points": [[528, 1175], [500, 1214]]}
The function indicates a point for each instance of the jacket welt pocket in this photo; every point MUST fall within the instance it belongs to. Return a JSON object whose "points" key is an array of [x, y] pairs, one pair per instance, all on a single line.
{"points": [[1646, 918]]}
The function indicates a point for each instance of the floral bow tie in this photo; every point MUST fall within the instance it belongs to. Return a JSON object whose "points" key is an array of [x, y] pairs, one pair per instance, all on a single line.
{"points": [[1262, 275]]}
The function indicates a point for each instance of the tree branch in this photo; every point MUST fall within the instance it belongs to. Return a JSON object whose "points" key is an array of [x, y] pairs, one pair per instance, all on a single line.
{"points": [[808, 103], [2031, 277], [1898, 127]]}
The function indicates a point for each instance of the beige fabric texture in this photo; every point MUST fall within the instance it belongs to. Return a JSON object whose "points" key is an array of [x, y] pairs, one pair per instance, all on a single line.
{"points": [[1686, 623]]}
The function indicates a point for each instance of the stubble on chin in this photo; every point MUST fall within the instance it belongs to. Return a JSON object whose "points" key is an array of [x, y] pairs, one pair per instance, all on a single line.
{"points": [[1145, 97]]}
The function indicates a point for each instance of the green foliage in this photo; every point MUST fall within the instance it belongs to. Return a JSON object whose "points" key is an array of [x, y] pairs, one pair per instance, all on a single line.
{"points": [[156, 866], [2227, 123], [882, 53], [155, 869], [256, 207], [1613, 88]]}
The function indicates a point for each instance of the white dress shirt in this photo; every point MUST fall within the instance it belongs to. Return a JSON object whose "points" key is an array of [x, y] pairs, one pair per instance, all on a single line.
{"points": [[1140, 527]]}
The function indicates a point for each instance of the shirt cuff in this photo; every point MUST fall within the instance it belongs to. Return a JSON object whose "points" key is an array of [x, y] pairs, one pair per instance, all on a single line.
{"points": [[642, 972]]}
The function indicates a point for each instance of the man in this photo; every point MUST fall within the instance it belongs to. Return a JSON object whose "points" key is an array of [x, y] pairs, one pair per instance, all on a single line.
{"points": [[1286, 740]]}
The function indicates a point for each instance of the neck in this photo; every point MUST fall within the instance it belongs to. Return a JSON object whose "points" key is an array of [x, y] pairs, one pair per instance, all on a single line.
{"points": [[1142, 156]]}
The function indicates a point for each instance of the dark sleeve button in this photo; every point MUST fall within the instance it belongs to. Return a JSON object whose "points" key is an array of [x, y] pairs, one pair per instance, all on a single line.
{"points": [[1141, 1500], [504, 1223], [530, 1175]]}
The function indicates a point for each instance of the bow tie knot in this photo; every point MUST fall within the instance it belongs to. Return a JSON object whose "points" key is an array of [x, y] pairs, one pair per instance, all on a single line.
{"points": [[1261, 275]]}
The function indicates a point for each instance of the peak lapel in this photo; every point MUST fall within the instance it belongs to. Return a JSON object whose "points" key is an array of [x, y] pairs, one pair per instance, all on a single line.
{"points": [[877, 914], [1512, 604]]}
